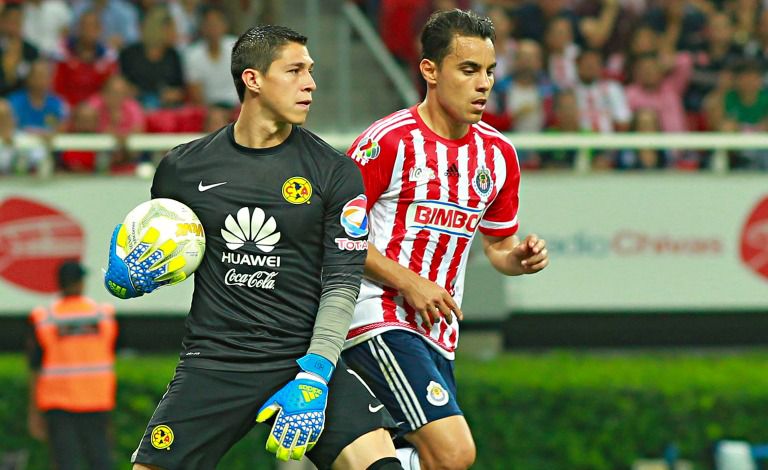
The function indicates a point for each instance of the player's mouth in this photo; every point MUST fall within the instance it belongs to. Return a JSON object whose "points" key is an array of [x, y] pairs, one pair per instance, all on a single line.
{"points": [[304, 104], [479, 104]]}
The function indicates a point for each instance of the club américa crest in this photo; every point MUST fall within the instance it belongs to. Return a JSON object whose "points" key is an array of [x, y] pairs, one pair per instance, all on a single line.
{"points": [[482, 182]]}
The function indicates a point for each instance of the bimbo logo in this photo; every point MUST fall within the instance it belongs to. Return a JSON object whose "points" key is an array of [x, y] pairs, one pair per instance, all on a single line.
{"points": [[444, 217], [34, 240], [754, 240]]}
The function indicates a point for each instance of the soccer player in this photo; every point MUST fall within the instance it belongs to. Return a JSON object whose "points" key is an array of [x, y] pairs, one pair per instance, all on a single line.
{"points": [[434, 174], [285, 225]]}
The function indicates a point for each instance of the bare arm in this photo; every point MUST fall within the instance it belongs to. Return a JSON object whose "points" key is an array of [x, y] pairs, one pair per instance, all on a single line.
{"points": [[427, 298], [513, 257]]}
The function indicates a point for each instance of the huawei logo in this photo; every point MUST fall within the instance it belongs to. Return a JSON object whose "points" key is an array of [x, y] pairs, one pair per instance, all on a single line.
{"points": [[250, 227], [754, 240]]}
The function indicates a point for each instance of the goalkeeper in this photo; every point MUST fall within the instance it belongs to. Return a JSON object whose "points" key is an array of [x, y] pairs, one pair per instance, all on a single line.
{"points": [[286, 232]]}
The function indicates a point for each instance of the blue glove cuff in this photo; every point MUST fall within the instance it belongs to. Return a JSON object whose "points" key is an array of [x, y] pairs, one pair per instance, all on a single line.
{"points": [[318, 365]]}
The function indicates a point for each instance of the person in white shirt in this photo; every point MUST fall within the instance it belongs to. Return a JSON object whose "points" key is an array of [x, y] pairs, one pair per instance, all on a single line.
{"points": [[602, 103], [206, 63], [46, 24]]}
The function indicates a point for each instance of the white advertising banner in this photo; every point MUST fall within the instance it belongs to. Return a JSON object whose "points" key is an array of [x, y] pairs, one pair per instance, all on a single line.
{"points": [[616, 241], [645, 242], [43, 223]]}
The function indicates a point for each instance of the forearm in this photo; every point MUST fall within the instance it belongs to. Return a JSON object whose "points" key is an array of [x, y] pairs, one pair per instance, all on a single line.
{"points": [[334, 315], [385, 270], [499, 253]]}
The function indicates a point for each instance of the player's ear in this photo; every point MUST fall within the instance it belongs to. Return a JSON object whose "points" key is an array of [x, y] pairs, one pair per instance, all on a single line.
{"points": [[428, 71], [252, 80]]}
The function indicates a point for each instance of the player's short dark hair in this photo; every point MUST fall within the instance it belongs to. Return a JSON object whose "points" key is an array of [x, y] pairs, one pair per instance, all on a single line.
{"points": [[442, 26], [257, 48]]}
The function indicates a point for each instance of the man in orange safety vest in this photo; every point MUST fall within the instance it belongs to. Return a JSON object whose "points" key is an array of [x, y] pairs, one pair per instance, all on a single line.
{"points": [[72, 386]]}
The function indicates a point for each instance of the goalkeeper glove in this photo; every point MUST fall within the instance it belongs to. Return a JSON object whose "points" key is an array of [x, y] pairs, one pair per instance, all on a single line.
{"points": [[140, 271], [300, 407]]}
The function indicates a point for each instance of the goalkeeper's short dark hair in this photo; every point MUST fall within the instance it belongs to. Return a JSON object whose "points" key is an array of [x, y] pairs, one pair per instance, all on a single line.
{"points": [[257, 48], [442, 26]]}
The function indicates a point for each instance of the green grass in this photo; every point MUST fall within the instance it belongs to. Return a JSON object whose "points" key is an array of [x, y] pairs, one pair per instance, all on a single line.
{"points": [[549, 411]]}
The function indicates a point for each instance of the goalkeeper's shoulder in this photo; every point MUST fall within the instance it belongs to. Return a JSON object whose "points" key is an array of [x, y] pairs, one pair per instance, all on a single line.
{"points": [[196, 147]]}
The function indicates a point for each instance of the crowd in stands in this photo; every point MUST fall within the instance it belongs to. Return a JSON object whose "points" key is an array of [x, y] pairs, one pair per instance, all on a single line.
{"points": [[598, 66], [588, 66], [116, 67]]}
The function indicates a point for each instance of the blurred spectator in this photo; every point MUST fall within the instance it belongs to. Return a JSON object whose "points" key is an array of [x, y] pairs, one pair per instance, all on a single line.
{"points": [[118, 113], [529, 94], [85, 120], [186, 16], [608, 24], [399, 31], [87, 62], [119, 20], [746, 105], [46, 24], [532, 18], [746, 110], [153, 66], [602, 103], [207, 63], [36, 107], [680, 23], [72, 385], [216, 118], [743, 13], [757, 48], [596, 29], [659, 84], [712, 63], [562, 52], [566, 119], [11, 157], [644, 120], [241, 15], [16, 54], [505, 42]]}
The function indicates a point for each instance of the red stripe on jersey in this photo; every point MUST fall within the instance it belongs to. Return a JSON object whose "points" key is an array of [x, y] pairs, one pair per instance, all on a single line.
{"points": [[395, 243], [421, 243]]}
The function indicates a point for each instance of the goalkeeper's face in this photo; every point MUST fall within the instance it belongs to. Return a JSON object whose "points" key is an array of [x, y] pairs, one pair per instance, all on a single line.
{"points": [[463, 80], [285, 91]]}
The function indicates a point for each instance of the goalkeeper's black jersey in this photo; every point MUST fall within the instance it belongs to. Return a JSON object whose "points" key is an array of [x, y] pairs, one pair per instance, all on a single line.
{"points": [[281, 224]]}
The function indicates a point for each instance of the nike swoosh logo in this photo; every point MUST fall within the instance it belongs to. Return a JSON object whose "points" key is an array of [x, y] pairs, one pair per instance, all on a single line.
{"points": [[374, 409], [202, 187]]}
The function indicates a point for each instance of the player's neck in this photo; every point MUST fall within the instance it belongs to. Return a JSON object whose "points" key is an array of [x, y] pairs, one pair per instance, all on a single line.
{"points": [[439, 122], [252, 132]]}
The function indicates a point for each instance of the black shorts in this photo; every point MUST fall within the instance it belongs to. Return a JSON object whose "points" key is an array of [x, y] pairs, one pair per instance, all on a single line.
{"points": [[205, 412]]}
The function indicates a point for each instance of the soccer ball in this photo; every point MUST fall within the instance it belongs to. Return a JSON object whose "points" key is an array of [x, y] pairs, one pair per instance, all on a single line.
{"points": [[175, 221]]}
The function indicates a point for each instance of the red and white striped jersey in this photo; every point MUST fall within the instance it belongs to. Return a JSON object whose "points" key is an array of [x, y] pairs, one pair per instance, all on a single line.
{"points": [[427, 196]]}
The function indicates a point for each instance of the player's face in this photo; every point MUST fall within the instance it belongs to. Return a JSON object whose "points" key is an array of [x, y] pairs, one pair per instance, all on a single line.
{"points": [[464, 79], [286, 89]]}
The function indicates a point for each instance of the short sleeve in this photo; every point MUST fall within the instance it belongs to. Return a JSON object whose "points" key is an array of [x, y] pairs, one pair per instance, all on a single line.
{"points": [[375, 159], [162, 183], [500, 220], [346, 221]]}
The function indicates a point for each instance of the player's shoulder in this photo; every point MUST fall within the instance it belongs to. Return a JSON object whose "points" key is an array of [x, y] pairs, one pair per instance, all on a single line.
{"points": [[320, 148], [383, 133], [390, 126], [492, 135], [195, 147]]}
